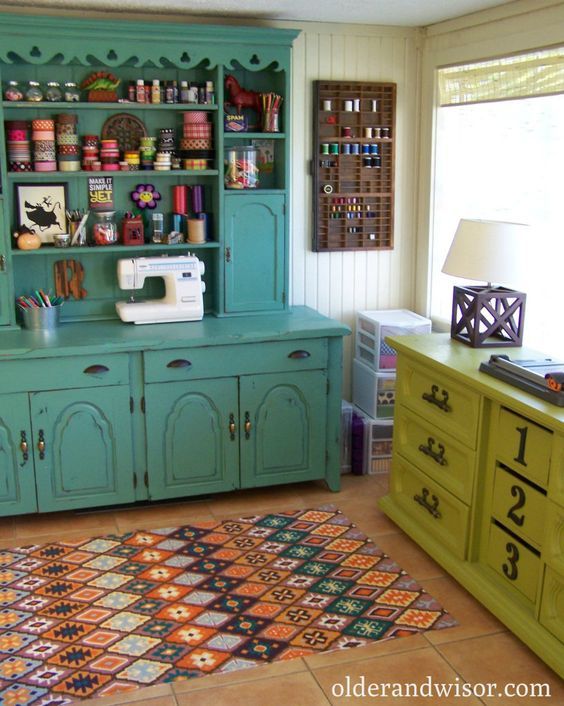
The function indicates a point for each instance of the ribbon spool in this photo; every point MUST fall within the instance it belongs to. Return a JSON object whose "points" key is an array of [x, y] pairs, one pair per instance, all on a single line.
{"points": [[196, 230], [197, 194], [180, 199]]}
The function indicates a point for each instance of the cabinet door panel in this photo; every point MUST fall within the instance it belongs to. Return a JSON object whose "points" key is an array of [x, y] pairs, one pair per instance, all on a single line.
{"points": [[87, 456], [254, 268], [17, 482], [190, 447], [286, 438]]}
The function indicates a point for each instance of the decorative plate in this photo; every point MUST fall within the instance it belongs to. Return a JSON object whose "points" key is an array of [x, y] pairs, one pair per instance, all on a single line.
{"points": [[127, 129]]}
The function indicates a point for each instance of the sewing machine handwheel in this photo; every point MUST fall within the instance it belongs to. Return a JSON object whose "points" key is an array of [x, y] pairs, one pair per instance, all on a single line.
{"points": [[179, 363]]}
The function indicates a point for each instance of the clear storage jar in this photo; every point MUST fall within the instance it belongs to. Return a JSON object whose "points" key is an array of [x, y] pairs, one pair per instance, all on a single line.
{"points": [[72, 92], [13, 91], [53, 92], [33, 93], [104, 229], [241, 167]]}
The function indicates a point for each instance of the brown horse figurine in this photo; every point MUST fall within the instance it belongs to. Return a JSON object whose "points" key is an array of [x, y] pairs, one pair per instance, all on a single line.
{"points": [[240, 97]]}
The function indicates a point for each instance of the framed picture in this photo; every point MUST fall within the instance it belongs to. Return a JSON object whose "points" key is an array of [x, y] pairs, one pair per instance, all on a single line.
{"points": [[42, 208]]}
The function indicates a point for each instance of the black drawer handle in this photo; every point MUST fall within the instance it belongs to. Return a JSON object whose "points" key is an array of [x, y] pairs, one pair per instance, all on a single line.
{"points": [[96, 369], [299, 354], [432, 398], [437, 456], [424, 502], [179, 363]]}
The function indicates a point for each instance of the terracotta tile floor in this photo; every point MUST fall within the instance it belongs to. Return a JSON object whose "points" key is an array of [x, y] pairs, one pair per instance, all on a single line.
{"points": [[479, 649]]}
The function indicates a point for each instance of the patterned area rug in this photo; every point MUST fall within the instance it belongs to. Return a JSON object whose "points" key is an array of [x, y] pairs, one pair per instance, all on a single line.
{"points": [[100, 616]]}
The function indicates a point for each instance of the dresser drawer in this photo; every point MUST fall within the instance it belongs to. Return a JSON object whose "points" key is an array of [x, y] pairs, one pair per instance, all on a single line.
{"points": [[64, 373], [552, 603], [523, 446], [519, 506], [435, 509], [243, 359], [553, 546], [436, 453], [516, 563], [442, 401]]}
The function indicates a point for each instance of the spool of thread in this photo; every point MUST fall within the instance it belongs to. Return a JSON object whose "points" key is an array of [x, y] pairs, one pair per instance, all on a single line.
{"points": [[368, 132], [348, 105], [327, 105], [196, 230], [374, 104], [356, 104], [179, 200], [197, 195]]}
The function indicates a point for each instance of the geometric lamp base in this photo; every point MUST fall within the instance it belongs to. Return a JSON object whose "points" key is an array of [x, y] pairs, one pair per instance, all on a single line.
{"points": [[488, 316]]}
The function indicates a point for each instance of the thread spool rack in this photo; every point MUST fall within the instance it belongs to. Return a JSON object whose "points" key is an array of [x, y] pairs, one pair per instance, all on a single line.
{"points": [[353, 165]]}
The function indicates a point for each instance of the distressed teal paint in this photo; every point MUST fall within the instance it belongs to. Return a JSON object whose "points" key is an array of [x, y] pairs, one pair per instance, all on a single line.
{"points": [[17, 480], [88, 447]]}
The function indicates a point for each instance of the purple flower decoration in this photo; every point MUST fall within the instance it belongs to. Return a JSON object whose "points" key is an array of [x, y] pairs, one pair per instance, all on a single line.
{"points": [[145, 196]]}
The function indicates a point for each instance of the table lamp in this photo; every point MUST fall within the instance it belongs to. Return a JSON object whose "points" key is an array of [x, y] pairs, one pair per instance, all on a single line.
{"points": [[489, 251]]}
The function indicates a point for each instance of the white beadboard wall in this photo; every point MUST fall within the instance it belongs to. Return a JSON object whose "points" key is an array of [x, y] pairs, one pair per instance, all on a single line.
{"points": [[342, 283]]}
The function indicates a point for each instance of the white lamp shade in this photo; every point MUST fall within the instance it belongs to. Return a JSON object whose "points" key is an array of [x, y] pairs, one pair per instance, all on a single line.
{"points": [[489, 251]]}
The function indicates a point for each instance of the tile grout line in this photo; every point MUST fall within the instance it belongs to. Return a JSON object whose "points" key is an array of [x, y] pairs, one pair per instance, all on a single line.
{"points": [[455, 670]]}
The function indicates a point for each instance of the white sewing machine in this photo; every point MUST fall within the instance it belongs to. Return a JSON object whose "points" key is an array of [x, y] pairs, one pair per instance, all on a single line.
{"points": [[183, 289]]}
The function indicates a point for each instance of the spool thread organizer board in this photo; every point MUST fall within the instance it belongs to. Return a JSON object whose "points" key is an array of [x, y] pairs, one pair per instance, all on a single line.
{"points": [[353, 165]]}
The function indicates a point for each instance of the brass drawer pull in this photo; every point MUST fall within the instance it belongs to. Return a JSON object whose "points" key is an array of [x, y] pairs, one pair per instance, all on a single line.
{"points": [[41, 444], [299, 354], [247, 425], [232, 426], [179, 363], [437, 456], [432, 398], [96, 369], [424, 502], [24, 445]]}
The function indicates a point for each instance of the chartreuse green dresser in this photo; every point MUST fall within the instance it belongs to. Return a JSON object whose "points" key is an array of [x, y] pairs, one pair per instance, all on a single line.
{"points": [[97, 412], [477, 481]]}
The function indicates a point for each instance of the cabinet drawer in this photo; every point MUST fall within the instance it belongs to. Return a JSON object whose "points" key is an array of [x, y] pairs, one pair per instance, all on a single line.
{"points": [[552, 603], [431, 506], [516, 563], [64, 373], [436, 453], [553, 546], [519, 506], [524, 446], [243, 359], [439, 399]]}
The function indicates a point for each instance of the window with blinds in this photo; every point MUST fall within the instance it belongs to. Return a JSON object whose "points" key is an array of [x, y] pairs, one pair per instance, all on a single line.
{"points": [[503, 159]]}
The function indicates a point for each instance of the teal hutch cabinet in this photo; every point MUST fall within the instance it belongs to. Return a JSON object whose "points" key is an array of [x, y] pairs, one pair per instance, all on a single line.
{"points": [[97, 412], [254, 235]]}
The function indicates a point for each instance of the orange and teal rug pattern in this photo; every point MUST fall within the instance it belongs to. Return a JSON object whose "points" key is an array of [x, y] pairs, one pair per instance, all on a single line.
{"points": [[100, 616]]}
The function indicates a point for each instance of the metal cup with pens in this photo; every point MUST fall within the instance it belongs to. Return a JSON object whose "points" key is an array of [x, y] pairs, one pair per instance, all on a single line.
{"points": [[77, 227], [40, 311], [271, 104]]}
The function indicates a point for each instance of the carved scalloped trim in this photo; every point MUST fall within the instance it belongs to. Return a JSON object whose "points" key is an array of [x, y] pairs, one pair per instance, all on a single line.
{"points": [[110, 56]]}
